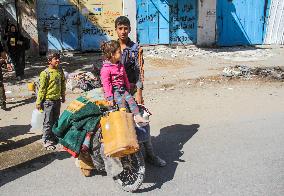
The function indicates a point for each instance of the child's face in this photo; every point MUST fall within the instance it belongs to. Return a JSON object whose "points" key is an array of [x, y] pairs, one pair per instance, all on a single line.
{"points": [[13, 29], [54, 62], [116, 56], [122, 31]]}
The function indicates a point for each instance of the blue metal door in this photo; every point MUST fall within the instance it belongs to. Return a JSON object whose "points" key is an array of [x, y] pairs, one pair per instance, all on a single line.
{"points": [[69, 24], [147, 22], [167, 21], [164, 27], [240, 22], [48, 25], [183, 23]]}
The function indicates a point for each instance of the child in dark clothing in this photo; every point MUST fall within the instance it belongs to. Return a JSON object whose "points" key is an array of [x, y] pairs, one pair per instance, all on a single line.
{"points": [[16, 51], [132, 59], [2, 90]]}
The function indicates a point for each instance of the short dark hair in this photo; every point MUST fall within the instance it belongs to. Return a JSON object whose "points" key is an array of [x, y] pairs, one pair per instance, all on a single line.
{"points": [[109, 48], [51, 54], [122, 20], [12, 25]]}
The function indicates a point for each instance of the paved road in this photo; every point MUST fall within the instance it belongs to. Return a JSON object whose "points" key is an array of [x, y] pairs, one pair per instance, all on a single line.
{"points": [[217, 140]]}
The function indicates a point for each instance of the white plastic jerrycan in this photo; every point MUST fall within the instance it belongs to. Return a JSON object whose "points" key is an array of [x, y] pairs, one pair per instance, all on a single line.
{"points": [[37, 119]]}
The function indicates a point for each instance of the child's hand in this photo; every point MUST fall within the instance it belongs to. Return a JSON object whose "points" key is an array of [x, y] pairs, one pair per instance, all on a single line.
{"points": [[110, 103], [63, 99], [38, 107]]}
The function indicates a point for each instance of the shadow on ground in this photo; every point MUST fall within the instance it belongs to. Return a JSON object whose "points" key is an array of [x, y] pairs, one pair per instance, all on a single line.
{"points": [[168, 145], [19, 103], [73, 63], [15, 172], [9, 132]]}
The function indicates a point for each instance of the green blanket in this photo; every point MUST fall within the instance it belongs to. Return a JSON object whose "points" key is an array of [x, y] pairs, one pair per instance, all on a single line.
{"points": [[80, 117]]}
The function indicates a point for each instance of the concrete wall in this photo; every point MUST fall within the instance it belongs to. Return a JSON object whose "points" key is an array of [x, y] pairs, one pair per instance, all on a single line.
{"points": [[28, 23], [206, 33], [275, 23], [27, 20], [76, 24], [129, 10]]}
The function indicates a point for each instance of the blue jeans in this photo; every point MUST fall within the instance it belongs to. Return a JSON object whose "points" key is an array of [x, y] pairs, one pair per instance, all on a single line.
{"points": [[121, 97]]}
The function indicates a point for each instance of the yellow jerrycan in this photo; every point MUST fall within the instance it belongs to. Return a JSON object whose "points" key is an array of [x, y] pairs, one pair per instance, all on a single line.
{"points": [[31, 86], [119, 135]]}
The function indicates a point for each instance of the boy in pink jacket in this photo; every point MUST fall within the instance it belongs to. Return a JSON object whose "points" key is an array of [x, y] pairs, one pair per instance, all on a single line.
{"points": [[115, 82]]}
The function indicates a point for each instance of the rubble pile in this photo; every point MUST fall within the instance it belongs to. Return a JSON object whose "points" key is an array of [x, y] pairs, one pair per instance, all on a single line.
{"points": [[242, 71], [234, 53], [86, 81]]}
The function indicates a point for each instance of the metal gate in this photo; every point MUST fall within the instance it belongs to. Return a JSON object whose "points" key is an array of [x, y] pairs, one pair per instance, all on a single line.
{"points": [[75, 24], [69, 25], [167, 21], [240, 22]]}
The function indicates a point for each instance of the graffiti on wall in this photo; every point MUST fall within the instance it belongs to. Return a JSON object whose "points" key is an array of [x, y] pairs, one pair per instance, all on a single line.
{"points": [[172, 21], [98, 31], [182, 22], [77, 26], [98, 22], [148, 18], [102, 15]]}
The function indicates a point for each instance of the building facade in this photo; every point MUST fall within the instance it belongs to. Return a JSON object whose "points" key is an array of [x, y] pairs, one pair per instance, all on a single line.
{"points": [[82, 25]]}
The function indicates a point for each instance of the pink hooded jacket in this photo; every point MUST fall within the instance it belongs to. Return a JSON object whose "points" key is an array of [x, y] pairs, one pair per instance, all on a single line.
{"points": [[113, 75]]}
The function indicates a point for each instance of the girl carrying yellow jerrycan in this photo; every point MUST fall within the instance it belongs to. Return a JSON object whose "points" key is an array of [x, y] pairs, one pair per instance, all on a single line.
{"points": [[119, 135]]}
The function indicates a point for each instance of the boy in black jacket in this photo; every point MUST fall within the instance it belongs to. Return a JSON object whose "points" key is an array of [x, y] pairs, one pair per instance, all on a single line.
{"points": [[132, 59]]}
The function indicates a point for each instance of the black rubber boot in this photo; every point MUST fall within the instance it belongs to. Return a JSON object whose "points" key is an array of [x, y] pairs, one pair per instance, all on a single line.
{"points": [[151, 157]]}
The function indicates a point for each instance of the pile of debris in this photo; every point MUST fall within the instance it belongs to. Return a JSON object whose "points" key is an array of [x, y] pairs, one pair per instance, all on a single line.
{"points": [[233, 53], [245, 72], [86, 81]]}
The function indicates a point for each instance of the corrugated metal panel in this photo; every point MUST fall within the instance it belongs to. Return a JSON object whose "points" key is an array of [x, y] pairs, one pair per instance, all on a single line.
{"points": [[275, 23], [240, 22]]}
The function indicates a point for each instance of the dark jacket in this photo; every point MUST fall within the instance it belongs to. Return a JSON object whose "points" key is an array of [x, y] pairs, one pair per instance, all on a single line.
{"points": [[11, 40], [1, 47], [132, 59]]}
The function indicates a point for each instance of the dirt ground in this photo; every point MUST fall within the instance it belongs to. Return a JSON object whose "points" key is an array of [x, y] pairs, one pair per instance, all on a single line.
{"points": [[184, 89]]}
